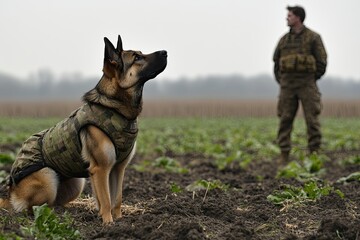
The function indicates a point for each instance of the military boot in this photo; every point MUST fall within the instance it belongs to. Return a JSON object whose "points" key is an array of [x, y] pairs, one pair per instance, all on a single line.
{"points": [[284, 157]]}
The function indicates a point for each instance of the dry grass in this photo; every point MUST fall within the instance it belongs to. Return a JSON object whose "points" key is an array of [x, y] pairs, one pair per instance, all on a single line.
{"points": [[37, 108], [182, 108], [89, 204], [209, 108]]}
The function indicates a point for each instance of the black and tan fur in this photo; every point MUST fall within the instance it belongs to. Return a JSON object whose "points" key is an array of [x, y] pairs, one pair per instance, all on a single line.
{"points": [[120, 88]]}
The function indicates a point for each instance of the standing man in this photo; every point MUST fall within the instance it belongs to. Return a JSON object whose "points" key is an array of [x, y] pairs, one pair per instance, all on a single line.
{"points": [[299, 61]]}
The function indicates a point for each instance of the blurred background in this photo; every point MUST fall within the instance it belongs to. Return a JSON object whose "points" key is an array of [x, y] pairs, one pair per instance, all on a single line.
{"points": [[220, 53]]}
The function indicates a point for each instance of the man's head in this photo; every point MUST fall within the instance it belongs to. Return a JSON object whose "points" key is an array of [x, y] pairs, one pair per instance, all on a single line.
{"points": [[296, 16]]}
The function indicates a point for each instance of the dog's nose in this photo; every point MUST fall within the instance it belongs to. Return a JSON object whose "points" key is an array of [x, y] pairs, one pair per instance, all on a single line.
{"points": [[163, 53]]}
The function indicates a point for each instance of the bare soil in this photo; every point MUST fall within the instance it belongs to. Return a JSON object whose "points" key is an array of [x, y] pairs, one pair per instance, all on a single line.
{"points": [[152, 211]]}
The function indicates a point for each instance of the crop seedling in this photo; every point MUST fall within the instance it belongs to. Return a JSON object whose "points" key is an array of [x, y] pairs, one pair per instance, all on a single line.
{"points": [[163, 163], [3, 176], [314, 163], [309, 167], [222, 161], [24, 128], [11, 220], [169, 164], [175, 188], [352, 160], [143, 166], [292, 170], [352, 177], [9, 236], [207, 185], [269, 150], [291, 195], [6, 158], [47, 225]]}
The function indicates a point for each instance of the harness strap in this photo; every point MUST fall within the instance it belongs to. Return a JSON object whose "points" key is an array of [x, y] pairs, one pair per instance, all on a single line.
{"points": [[15, 179]]}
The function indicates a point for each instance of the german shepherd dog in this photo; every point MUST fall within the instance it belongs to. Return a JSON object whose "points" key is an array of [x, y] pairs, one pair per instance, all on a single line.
{"points": [[119, 90]]}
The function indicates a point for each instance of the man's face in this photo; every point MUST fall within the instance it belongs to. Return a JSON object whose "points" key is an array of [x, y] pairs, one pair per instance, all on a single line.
{"points": [[292, 19]]}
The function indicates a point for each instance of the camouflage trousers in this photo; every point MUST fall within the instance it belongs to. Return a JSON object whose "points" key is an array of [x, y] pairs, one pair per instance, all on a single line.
{"points": [[288, 104]]}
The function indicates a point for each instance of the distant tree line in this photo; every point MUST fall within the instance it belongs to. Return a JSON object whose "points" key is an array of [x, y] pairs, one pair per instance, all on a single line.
{"points": [[44, 86]]}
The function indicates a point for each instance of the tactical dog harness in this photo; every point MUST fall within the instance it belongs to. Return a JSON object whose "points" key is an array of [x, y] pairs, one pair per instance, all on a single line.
{"points": [[60, 147]]}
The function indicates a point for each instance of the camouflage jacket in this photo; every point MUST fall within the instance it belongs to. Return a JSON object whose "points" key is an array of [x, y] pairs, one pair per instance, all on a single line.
{"points": [[60, 147], [300, 55]]}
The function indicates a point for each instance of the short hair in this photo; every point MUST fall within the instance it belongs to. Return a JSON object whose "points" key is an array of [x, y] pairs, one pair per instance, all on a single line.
{"points": [[298, 11]]}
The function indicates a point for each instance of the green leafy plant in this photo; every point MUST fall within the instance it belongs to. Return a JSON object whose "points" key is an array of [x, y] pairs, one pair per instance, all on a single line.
{"points": [[6, 158], [352, 177], [292, 170], [222, 160], [162, 163], [309, 167], [12, 220], [3, 175], [143, 166], [169, 164], [175, 188], [47, 225], [18, 129], [293, 195], [314, 192], [340, 193], [314, 162], [207, 185], [6, 236], [352, 160]]}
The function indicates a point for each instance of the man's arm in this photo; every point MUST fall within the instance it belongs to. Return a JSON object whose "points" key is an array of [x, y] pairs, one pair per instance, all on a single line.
{"points": [[276, 59], [320, 55]]}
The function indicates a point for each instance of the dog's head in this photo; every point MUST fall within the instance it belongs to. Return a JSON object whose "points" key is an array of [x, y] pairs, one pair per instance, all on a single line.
{"points": [[125, 73], [131, 68]]}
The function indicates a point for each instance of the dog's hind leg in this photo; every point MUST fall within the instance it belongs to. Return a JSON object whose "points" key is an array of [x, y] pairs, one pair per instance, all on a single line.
{"points": [[116, 184], [5, 203], [34, 190], [68, 190]]}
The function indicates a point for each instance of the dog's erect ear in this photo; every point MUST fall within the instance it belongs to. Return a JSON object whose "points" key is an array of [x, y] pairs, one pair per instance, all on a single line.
{"points": [[112, 60], [119, 46], [110, 51]]}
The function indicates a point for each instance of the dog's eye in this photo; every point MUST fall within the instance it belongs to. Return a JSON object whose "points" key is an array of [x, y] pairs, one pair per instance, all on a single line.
{"points": [[138, 57]]}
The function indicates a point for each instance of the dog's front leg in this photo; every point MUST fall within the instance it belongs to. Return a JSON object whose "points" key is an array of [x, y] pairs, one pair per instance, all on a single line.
{"points": [[118, 178], [99, 151], [99, 180]]}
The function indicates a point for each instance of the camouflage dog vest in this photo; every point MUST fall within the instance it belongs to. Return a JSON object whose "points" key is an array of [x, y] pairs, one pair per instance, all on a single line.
{"points": [[60, 147]]}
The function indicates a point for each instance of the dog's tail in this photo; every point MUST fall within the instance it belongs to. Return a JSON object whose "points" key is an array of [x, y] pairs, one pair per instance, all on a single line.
{"points": [[5, 203]]}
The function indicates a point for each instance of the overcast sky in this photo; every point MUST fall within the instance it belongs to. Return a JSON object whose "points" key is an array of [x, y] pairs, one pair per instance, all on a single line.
{"points": [[202, 37]]}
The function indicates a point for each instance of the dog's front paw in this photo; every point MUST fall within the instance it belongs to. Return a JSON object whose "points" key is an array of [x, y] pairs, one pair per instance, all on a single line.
{"points": [[117, 214], [107, 219]]}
